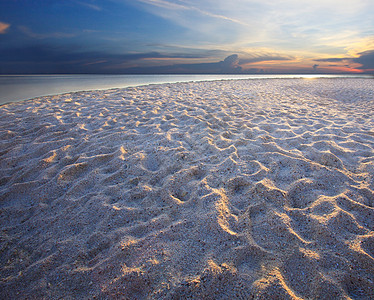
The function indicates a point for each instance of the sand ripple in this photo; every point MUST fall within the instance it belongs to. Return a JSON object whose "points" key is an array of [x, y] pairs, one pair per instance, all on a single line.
{"points": [[257, 189]]}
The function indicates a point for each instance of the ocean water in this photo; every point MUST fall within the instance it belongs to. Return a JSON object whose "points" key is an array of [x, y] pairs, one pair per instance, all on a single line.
{"points": [[15, 88]]}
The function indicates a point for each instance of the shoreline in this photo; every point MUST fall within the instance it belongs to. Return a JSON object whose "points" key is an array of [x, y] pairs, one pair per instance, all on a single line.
{"points": [[232, 189], [17, 88]]}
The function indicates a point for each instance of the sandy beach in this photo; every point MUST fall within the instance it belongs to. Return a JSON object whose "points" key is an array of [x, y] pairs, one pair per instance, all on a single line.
{"points": [[243, 189]]}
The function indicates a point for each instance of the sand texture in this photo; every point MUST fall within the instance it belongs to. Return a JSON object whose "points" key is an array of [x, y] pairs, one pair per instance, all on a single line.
{"points": [[247, 189]]}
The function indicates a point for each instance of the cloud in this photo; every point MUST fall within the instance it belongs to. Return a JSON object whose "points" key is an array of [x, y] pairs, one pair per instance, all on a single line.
{"points": [[204, 24], [231, 62], [190, 7], [38, 54], [246, 23], [48, 59], [366, 59], [45, 58], [90, 5], [3, 27], [263, 58], [228, 66], [332, 59], [28, 32], [46, 53]]}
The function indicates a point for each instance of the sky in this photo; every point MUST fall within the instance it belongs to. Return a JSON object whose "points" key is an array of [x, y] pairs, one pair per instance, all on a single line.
{"points": [[186, 36]]}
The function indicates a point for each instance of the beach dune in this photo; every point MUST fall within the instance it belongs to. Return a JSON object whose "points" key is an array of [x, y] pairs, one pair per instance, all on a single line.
{"points": [[243, 189]]}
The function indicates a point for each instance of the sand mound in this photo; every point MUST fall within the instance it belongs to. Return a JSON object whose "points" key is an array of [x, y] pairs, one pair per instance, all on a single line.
{"points": [[213, 190]]}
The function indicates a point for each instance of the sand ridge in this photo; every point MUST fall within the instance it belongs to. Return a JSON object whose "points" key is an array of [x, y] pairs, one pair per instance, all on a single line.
{"points": [[208, 190]]}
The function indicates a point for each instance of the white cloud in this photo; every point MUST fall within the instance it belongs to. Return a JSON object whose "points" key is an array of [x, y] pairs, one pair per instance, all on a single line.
{"points": [[90, 5], [321, 26], [184, 10]]}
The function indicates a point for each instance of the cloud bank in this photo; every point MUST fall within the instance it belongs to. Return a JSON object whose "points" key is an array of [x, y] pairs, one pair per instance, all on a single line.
{"points": [[51, 59], [332, 59], [366, 59]]}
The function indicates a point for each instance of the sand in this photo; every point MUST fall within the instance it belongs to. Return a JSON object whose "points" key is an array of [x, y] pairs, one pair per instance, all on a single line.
{"points": [[247, 189]]}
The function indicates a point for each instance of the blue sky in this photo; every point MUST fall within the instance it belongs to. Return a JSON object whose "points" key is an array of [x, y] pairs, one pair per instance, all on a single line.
{"points": [[186, 36]]}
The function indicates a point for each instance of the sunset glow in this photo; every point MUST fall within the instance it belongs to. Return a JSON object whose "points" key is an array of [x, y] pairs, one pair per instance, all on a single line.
{"points": [[164, 36]]}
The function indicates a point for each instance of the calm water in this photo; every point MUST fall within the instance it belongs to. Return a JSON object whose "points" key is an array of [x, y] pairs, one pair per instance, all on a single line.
{"points": [[15, 88]]}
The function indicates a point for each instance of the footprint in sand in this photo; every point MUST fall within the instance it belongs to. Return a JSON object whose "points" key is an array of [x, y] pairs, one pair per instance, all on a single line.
{"points": [[151, 162]]}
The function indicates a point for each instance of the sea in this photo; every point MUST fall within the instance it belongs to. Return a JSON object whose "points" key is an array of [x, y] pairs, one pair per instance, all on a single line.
{"points": [[14, 88]]}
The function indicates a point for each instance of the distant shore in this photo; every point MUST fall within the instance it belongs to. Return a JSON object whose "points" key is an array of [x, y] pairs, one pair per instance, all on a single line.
{"points": [[240, 189]]}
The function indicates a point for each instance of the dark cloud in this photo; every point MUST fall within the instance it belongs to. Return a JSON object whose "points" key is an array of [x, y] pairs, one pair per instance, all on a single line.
{"points": [[366, 59], [230, 65], [46, 53], [332, 59], [231, 60], [264, 58], [47, 59], [52, 59]]}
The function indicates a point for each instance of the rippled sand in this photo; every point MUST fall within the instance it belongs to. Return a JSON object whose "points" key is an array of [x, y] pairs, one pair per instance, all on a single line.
{"points": [[212, 190]]}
